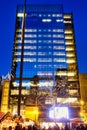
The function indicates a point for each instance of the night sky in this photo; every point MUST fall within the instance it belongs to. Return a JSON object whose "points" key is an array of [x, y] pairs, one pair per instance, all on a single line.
{"points": [[7, 29]]}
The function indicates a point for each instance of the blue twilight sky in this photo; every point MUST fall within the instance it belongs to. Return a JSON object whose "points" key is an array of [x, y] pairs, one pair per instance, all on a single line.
{"points": [[7, 29]]}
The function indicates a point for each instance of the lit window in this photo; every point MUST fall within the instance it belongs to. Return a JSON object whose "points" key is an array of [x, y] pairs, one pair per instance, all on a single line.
{"points": [[30, 30], [56, 15], [30, 41], [29, 59], [68, 31], [39, 35], [59, 20], [57, 30], [46, 20], [71, 73], [59, 47], [69, 21], [19, 30], [39, 41], [73, 92], [30, 35], [49, 30], [17, 60], [30, 53], [49, 15], [14, 92], [71, 61], [59, 60], [20, 14], [39, 30], [17, 53], [68, 36], [41, 53], [29, 47], [58, 36], [44, 60], [18, 41], [67, 16], [69, 42], [18, 47], [47, 41], [18, 35], [70, 54], [45, 74], [58, 41], [70, 48], [47, 35], [59, 53], [40, 15]]}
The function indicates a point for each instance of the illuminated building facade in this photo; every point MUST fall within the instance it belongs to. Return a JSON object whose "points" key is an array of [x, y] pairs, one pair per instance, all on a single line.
{"points": [[44, 50], [83, 93]]}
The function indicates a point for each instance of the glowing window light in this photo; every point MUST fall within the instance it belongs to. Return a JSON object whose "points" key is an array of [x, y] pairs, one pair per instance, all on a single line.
{"points": [[57, 30], [68, 37], [59, 53], [68, 22], [61, 73], [20, 14], [67, 16], [70, 55], [30, 41], [29, 47], [71, 61], [58, 41], [46, 20], [56, 15], [71, 73], [70, 48], [59, 47], [58, 35], [59, 60], [68, 31], [19, 30], [17, 60], [14, 92], [31, 35], [18, 35], [69, 43], [18, 47], [67, 100], [30, 53], [59, 20], [15, 84], [18, 53], [45, 60], [30, 30], [18, 41], [30, 59], [45, 73]]}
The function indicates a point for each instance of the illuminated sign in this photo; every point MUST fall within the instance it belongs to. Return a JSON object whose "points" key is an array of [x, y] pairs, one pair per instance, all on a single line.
{"points": [[58, 112]]}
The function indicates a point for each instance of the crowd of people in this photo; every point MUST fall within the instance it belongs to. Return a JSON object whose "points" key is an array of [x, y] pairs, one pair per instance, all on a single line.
{"points": [[18, 123], [80, 126]]}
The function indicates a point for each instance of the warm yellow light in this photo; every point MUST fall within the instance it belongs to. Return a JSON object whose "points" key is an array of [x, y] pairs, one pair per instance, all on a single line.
{"points": [[81, 114], [36, 110], [82, 102]]}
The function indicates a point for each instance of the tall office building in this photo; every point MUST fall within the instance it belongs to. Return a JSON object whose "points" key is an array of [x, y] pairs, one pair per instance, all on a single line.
{"points": [[44, 63]]}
